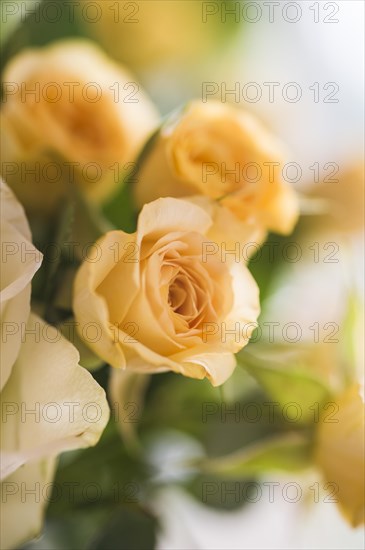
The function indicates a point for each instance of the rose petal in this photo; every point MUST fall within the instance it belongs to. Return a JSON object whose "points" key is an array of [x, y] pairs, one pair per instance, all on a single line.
{"points": [[72, 408], [245, 310], [13, 212], [340, 452], [102, 294], [167, 215], [19, 262], [22, 516]]}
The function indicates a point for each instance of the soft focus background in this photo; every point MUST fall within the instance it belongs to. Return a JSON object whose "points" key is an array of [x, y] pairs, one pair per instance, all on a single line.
{"points": [[174, 47]]}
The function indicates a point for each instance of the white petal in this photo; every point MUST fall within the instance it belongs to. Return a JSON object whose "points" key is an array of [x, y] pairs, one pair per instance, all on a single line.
{"points": [[19, 262], [12, 211], [22, 513], [69, 408]]}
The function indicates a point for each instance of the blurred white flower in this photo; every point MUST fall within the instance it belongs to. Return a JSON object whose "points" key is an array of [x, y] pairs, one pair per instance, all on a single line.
{"points": [[49, 403]]}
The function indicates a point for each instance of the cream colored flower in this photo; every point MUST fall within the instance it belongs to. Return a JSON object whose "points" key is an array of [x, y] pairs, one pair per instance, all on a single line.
{"points": [[49, 403], [22, 514], [70, 100], [340, 452], [161, 302], [224, 153], [19, 262]]}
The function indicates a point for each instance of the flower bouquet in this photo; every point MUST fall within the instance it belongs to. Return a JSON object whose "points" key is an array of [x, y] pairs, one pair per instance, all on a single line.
{"points": [[179, 311]]}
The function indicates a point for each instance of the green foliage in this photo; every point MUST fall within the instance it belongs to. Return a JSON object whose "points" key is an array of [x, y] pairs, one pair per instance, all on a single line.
{"points": [[119, 209], [128, 529], [288, 453], [287, 381]]}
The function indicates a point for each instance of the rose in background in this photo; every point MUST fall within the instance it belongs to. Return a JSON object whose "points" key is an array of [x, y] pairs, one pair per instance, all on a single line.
{"points": [[157, 33], [342, 201], [325, 290], [70, 116], [39, 369], [340, 452], [165, 299], [224, 154], [325, 378], [17, 271]]}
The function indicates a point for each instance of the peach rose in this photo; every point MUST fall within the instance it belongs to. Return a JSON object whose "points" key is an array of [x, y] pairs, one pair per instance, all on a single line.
{"points": [[69, 104], [340, 451], [163, 297], [223, 153]]}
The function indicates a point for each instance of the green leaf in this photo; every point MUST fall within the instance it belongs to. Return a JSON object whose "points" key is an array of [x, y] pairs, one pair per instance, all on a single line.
{"points": [[68, 242], [289, 453], [266, 262], [51, 242], [288, 381], [120, 209]]}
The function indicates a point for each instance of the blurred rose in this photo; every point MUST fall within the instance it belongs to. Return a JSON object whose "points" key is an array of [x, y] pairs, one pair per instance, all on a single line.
{"points": [[49, 403], [156, 31], [339, 447], [340, 452], [223, 153], [344, 200], [77, 114], [165, 299]]}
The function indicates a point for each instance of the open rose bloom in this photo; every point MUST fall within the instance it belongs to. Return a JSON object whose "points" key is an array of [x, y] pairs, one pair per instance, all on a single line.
{"points": [[164, 298]]}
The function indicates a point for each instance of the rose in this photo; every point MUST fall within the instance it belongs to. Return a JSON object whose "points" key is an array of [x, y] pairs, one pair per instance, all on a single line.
{"points": [[84, 109], [49, 403], [341, 200], [339, 442], [225, 154], [340, 450], [164, 298], [19, 262], [155, 37]]}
